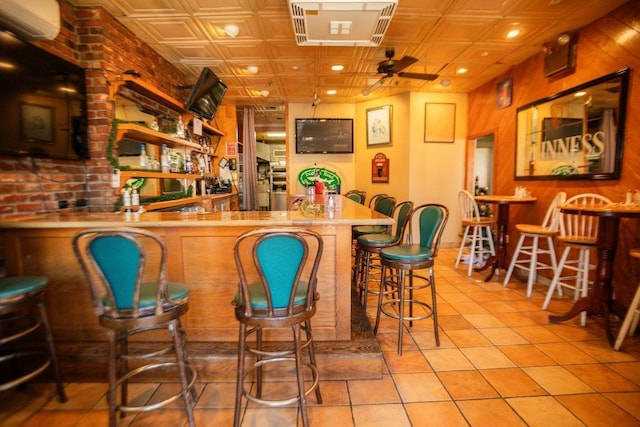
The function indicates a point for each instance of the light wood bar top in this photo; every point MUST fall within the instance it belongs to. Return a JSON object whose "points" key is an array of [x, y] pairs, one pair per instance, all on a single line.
{"points": [[350, 213]]}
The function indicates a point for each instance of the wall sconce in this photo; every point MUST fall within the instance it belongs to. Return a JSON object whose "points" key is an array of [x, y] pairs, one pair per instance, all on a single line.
{"points": [[231, 30]]}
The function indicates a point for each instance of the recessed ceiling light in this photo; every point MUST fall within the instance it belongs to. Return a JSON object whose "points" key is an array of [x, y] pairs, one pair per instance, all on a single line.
{"points": [[579, 94], [253, 69], [485, 53], [232, 30], [295, 67], [365, 92], [331, 92], [6, 65], [264, 93], [337, 67], [461, 70], [445, 83], [513, 33]]}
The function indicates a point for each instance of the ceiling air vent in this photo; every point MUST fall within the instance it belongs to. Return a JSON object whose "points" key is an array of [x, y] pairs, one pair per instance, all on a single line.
{"points": [[341, 23]]}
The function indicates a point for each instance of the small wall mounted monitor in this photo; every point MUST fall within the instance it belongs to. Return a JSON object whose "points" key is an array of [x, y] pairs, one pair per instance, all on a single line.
{"points": [[324, 136], [206, 95]]}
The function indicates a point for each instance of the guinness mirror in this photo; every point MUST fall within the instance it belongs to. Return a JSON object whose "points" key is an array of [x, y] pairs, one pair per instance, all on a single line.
{"points": [[574, 134]]}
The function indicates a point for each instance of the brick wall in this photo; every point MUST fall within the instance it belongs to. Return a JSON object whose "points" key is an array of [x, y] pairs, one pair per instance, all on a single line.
{"points": [[93, 39]]}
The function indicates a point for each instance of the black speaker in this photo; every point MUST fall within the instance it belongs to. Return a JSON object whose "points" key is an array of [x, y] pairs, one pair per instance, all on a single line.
{"points": [[560, 55]]}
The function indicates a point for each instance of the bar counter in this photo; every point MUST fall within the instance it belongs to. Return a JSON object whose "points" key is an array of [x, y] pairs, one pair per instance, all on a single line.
{"points": [[200, 247]]}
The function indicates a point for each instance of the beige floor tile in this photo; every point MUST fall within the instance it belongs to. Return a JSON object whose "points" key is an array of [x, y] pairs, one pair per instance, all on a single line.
{"points": [[389, 341], [629, 370], [602, 378], [435, 414], [57, 418], [447, 360], [334, 393], [454, 322], [468, 338], [526, 355], [573, 331], [565, 353], [497, 306], [427, 340], [467, 385], [211, 417], [271, 417], [456, 297], [627, 401], [380, 416], [607, 413], [329, 416], [425, 387], [217, 395], [503, 336], [85, 395], [543, 411], [366, 392], [512, 382], [601, 351], [410, 361], [515, 319], [537, 334], [484, 321], [556, 380], [469, 308], [487, 357], [489, 412]]}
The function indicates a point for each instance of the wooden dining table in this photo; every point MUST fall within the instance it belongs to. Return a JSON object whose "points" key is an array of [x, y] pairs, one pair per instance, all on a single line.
{"points": [[599, 301], [500, 259]]}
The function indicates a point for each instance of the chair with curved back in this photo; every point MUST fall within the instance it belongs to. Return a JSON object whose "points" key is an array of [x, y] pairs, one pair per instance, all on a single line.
{"points": [[405, 260], [383, 204], [477, 239], [126, 272], [577, 233], [369, 245], [277, 289], [527, 256], [357, 196], [23, 312]]}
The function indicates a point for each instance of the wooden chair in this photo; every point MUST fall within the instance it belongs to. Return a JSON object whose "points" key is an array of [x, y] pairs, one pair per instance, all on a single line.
{"points": [[630, 322], [527, 256], [133, 299], [578, 233], [277, 289], [477, 239]]}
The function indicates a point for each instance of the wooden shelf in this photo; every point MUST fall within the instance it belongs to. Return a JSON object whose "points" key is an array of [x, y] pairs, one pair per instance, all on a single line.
{"points": [[171, 203], [125, 175], [141, 133], [138, 85]]}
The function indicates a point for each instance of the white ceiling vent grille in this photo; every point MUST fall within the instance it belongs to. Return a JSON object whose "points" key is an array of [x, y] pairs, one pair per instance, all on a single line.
{"points": [[341, 23]]}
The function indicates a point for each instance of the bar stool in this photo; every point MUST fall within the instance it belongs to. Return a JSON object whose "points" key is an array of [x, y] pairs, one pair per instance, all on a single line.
{"points": [[405, 260], [577, 233], [115, 263], [630, 322], [19, 295], [357, 196], [526, 256], [478, 232], [277, 289], [368, 248]]}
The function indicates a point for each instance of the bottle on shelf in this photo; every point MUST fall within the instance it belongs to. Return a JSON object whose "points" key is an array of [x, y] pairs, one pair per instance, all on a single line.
{"points": [[135, 198], [126, 200], [164, 159], [144, 160], [180, 128]]}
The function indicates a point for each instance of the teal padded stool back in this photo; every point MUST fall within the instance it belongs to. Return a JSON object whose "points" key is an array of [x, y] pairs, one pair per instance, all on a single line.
{"points": [[368, 247], [19, 296], [357, 196], [277, 268], [400, 264], [126, 272]]}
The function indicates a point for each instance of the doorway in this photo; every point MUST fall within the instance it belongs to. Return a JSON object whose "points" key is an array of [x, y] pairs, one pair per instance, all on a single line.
{"points": [[483, 165]]}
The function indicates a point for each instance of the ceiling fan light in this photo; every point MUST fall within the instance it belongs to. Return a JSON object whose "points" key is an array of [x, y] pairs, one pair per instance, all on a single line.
{"points": [[365, 92], [232, 30]]}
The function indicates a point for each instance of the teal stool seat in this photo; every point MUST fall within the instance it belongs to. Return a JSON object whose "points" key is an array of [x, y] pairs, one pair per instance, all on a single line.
{"points": [[18, 286], [19, 296], [407, 253]]}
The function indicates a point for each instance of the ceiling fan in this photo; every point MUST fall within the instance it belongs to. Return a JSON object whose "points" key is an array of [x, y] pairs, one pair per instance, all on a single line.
{"points": [[390, 67]]}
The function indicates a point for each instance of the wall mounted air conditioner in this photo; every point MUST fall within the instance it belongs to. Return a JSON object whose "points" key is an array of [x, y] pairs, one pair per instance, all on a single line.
{"points": [[341, 22], [32, 19]]}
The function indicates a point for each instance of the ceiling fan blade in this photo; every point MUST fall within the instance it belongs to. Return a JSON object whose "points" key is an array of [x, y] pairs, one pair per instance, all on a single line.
{"points": [[419, 76], [403, 63], [377, 84]]}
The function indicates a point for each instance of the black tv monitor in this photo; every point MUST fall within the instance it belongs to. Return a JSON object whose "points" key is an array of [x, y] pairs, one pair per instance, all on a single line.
{"points": [[206, 95], [324, 136], [43, 107]]}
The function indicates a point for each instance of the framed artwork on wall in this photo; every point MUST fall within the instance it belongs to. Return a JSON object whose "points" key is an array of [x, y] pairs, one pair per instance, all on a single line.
{"points": [[439, 122], [503, 93], [36, 123], [379, 121]]}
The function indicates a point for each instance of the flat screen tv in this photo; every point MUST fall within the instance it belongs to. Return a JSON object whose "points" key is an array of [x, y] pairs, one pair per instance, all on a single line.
{"points": [[43, 107], [206, 95], [324, 136]]}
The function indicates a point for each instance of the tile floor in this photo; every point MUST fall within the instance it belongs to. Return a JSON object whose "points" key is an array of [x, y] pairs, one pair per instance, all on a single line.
{"points": [[500, 363]]}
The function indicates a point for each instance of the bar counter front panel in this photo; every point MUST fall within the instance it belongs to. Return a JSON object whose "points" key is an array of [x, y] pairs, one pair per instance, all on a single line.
{"points": [[200, 250]]}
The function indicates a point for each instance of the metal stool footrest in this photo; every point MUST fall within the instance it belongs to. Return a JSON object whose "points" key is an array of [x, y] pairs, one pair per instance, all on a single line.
{"points": [[427, 307], [33, 372]]}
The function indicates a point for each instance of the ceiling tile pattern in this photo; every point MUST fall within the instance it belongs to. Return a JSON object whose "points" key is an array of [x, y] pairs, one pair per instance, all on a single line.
{"points": [[443, 35]]}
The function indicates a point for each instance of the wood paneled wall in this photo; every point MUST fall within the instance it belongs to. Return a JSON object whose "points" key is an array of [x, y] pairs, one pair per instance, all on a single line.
{"points": [[607, 45]]}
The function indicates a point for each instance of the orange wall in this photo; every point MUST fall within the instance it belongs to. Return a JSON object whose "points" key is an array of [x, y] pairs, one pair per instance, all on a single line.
{"points": [[607, 45]]}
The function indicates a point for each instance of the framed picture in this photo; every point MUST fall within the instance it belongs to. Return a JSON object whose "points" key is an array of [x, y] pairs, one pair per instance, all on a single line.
{"points": [[36, 123], [379, 125], [439, 122], [503, 93]]}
